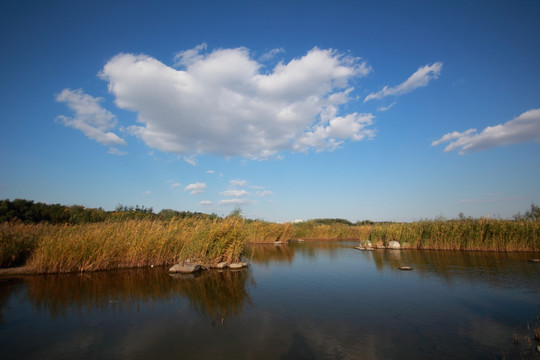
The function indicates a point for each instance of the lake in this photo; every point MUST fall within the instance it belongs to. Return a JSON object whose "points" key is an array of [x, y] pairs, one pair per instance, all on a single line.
{"points": [[312, 300]]}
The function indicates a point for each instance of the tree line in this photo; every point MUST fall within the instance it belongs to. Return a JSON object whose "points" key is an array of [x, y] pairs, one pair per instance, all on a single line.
{"points": [[28, 211]]}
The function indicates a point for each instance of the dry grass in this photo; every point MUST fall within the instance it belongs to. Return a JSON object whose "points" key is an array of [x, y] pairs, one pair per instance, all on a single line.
{"points": [[137, 243], [143, 242]]}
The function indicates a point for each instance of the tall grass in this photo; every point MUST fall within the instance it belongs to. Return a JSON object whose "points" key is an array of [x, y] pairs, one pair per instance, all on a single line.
{"points": [[137, 243], [18, 241], [473, 234], [46, 248]]}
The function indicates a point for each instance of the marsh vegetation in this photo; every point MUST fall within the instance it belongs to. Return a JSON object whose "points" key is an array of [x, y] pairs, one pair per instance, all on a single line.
{"points": [[136, 237]]}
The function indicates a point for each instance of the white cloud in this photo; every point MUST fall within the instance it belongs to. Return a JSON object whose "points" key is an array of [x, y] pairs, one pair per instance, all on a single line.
{"points": [[235, 202], [238, 182], [206, 202], [221, 103], [271, 54], [90, 118], [115, 151], [420, 78], [210, 172], [175, 185], [235, 193], [148, 192], [196, 188], [331, 136], [385, 108], [191, 160], [265, 193], [524, 128]]}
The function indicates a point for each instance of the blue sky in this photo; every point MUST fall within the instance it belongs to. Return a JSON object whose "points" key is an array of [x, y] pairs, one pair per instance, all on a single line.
{"points": [[381, 110]]}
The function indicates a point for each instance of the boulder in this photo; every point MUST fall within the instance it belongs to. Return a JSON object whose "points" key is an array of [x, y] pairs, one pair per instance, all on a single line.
{"points": [[222, 265], [185, 268], [366, 244], [238, 265], [394, 245]]}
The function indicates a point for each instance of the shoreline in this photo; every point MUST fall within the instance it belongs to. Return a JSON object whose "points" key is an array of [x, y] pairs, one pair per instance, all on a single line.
{"points": [[26, 271]]}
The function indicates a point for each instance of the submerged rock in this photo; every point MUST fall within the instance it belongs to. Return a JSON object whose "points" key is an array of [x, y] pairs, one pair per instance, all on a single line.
{"points": [[394, 245], [535, 260], [405, 268], [185, 268]]}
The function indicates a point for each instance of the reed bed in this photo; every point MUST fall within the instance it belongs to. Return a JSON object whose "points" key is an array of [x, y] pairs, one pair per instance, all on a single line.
{"points": [[477, 234], [137, 243], [46, 248]]}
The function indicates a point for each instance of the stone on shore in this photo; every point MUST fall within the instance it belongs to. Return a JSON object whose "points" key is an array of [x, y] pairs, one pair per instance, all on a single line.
{"points": [[394, 245], [222, 265], [238, 265], [185, 268]]}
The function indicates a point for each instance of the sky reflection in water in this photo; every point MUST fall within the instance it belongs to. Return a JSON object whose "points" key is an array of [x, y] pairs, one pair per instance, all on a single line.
{"points": [[311, 300]]}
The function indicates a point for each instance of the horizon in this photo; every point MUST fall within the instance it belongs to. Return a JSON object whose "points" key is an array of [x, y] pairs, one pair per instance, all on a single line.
{"points": [[378, 111]]}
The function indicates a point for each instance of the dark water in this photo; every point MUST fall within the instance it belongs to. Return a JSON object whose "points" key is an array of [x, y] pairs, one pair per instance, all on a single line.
{"points": [[304, 301]]}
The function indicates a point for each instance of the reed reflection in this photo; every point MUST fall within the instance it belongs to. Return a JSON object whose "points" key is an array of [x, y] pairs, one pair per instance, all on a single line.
{"points": [[268, 253], [214, 294]]}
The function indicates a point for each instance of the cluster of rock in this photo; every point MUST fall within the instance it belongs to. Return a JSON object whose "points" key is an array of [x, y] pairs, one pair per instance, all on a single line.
{"points": [[190, 266], [368, 246]]}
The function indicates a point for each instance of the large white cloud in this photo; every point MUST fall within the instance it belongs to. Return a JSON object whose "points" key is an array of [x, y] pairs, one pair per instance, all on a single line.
{"points": [[226, 103], [524, 128], [420, 78], [90, 118]]}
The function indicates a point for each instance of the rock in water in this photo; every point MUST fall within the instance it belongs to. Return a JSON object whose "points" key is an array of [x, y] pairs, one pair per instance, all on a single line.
{"points": [[405, 268], [222, 265], [184, 268], [394, 245], [238, 265]]}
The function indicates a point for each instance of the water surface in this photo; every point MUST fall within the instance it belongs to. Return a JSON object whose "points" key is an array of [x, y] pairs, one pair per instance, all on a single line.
{"points": [[320, 300]]}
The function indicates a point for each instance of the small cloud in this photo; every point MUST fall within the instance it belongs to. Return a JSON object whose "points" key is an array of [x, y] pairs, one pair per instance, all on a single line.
{"points": [[148, 192], [235, 193], [205, 202], [524, 128], [191, 160], [175, 185], [460, 81], [115, 151], [265, 193], [269, 55], [89, 118], [235, 202], [420, 78], [238, 182], [385, 108], [210, 172], [196, 188]]}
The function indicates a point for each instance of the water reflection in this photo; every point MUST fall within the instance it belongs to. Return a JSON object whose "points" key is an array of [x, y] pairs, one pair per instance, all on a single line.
{"points": [[495, 269], [216, 294], [269, 253]]}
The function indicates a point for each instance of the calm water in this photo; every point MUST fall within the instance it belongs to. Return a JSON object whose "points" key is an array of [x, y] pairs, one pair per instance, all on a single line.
{"points": [[304, 301]]}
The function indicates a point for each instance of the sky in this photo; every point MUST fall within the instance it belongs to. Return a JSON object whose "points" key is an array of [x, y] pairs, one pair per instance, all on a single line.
{"points": [[379, 110]]}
